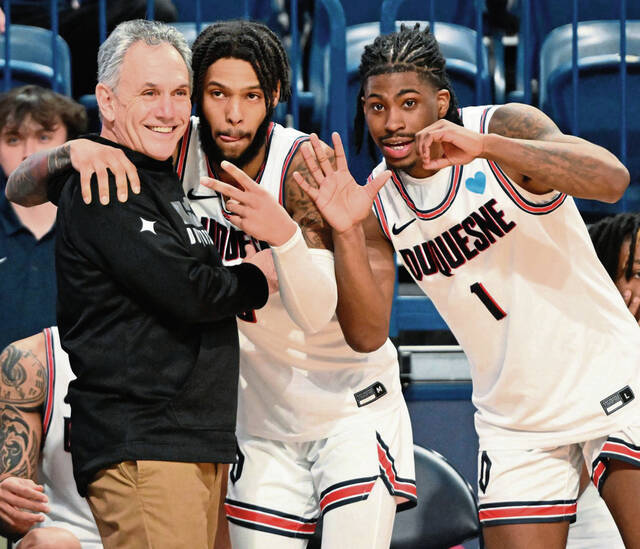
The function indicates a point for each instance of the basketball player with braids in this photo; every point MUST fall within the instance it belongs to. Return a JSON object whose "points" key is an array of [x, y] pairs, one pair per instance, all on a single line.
{"points": [[480, 210], [322, 430]]}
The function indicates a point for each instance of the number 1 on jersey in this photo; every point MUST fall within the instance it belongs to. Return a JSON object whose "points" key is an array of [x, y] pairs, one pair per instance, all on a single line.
{"points": [[487, 300]]}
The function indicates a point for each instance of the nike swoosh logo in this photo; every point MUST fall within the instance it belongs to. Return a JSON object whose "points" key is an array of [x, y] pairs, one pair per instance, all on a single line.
{"points": [[191, 195], [3, 259], [397, 230]]}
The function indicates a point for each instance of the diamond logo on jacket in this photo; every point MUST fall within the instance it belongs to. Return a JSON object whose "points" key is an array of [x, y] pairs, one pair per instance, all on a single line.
{"points": [[147, 225]]}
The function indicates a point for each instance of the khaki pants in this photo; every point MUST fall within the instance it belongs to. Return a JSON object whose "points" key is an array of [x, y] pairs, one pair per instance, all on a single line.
{"points": [[157, 504]]}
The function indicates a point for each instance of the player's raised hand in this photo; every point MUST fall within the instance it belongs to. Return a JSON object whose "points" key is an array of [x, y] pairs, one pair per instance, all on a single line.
{"points": [[458, 145], [340, 200], [89, 158], [21, 503], [253, 210]]}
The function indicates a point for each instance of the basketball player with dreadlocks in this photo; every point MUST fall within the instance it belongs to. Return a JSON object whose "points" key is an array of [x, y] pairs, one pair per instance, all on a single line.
{"points": [[322, 430], [479, 208]]}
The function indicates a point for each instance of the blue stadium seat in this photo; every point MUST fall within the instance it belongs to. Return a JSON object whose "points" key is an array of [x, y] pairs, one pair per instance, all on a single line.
{"points": [[546, 15], [30, 49], [259, 10], [323, 104], [599, 92], [460, 12]]}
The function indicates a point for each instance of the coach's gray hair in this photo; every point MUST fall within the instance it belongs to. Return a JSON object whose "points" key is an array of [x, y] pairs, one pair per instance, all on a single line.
{"points": [[113, 49]]}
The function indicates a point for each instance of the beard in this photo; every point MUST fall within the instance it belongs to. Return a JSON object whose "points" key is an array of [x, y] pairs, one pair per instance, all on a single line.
{"points": [[215, 153]]}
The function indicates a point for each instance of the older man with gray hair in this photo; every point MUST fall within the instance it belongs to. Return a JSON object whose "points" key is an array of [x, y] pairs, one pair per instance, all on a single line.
{"points": [[147, 315]]}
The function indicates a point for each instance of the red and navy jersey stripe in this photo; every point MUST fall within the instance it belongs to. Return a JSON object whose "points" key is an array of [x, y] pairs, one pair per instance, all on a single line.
{"points": [[47, 407], [397, 486], [510, 189], [378, 208], [526, 512], [287, 163], [183, 148], [613, 448], [269, 520], [433, 213], [343, 493]]}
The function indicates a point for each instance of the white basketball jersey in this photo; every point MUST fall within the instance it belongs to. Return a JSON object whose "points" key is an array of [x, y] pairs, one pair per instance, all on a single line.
{"points": [[68, 509], [554, 352], [293, 386]]}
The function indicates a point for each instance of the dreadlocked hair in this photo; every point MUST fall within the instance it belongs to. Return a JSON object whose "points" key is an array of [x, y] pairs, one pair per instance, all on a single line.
{"points": [[247, 40], [406, 50], [608, 235]]}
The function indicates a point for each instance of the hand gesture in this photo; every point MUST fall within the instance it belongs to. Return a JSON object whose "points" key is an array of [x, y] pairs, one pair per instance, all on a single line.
{"points": [[459, 145], [253, 209], [21, 502], [88, 158], [340, 200]]}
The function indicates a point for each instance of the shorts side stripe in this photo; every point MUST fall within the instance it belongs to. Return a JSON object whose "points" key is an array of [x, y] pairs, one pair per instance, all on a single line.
{"points": [[268, 520], [613, 448], [346, 492], [404, 487], [619, 449], [526, 512]]}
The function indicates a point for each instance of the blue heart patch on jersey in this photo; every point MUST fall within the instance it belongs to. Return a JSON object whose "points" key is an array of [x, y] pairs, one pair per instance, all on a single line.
{"points": [[477, 183]]}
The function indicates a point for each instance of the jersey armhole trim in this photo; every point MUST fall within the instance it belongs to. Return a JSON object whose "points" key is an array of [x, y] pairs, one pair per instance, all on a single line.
{"points": [[47, 405]]}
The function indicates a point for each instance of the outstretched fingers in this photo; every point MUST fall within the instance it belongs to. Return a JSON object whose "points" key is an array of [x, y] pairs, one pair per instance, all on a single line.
{"points": [[225, 189], [341, 157], [313, 192], [378, 182], [309, 156], [321, 154], [242, 178]]}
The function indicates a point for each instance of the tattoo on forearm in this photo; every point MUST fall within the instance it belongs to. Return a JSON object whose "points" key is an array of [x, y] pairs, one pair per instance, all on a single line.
{"points": [[27, 185], [23, 377], [519, 123], [18, 444], [59, 159]]}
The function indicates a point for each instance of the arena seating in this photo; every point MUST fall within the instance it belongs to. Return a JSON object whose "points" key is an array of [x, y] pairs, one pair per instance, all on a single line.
{"points": [[539, 17], [32, 60], [598, 107]]}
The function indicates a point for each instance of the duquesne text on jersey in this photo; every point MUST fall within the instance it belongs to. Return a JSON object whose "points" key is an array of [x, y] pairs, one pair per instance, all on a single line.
{"points": [[453, 247], [230, 242]]}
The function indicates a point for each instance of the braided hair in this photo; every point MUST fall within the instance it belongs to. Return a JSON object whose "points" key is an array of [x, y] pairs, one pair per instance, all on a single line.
{"points": [[249, 41], [608, 235], [406, 50]]}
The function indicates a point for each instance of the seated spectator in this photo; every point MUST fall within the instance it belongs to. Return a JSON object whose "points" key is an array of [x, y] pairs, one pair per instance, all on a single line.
{"points": [[34, 447], [616, 242], [31, 119], [78, 25]]}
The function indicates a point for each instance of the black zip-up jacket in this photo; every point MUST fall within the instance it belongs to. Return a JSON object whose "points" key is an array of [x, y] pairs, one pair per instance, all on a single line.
{"points": [[146, 311]]}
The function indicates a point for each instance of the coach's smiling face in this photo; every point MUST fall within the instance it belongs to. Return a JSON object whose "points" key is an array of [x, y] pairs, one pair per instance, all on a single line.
{"points": [[149, 109]]}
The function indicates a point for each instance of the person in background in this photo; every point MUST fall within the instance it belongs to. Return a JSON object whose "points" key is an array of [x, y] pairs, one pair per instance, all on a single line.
{"points": [[31, 119]]}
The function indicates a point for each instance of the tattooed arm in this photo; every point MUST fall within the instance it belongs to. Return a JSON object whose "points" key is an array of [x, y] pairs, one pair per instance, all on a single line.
{"points": [[532, 150], [27, 185], [528, 144], [23, 376]]}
